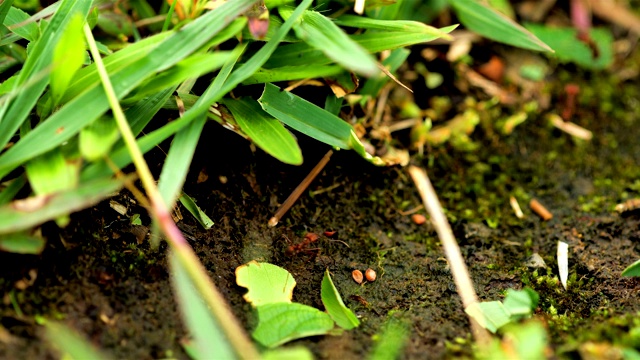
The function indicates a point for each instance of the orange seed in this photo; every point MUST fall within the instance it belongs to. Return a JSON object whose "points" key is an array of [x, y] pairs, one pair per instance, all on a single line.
{"points": [[357, 276], [370, 274]]}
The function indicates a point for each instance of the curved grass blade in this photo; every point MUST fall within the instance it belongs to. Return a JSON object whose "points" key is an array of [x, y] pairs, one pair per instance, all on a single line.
{"points": [[69, 343], [491, 24], [193, 208], [68, 56], [209, 340], [405, 26], [265, 131], [89, 105], [323, 34], [302, 54], [27, 213], [288, 73]]}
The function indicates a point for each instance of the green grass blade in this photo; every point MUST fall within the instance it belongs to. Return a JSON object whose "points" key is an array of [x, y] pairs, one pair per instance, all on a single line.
{"points": [[19, 23], [373, 86], [193, 208], [288, 73], [68, 56], [89, 105], [391, 25], [209, 340], [489, 23], [323, 34], [300, 54], [52, 172], [13, 113], [25, 214], [266, 132], [70, 344], [22, 243], [8, 193]]}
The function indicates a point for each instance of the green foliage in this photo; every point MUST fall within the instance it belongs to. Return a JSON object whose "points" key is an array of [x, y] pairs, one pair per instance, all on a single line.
{"points": [[332, 301], [493, 315], [632, 270], [69, 344]]}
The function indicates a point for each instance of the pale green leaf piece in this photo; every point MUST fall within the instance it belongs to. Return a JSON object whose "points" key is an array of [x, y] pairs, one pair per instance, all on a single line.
{"points": [[209, 341], [68, 56], [193, 208], [303, 54], [491, 315], [22, 243], [267, 283], [288, 353], [323, 34], [403, 26], [282, 322], [390, 342], [491, 24], [26, 213], [69, 343], [97, 139], [52, 172], [564, 41], [632, 270], [520, 303], [342, 315], [312, 120], [265, 131]]}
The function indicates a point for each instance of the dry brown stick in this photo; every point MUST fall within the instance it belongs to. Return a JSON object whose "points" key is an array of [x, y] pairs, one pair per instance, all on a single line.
{"points": [[452, 251], [295, 194]]}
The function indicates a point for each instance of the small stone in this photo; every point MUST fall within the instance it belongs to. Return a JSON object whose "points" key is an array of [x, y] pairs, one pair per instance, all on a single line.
{"points": [[370, 274], [535, 261], [357, 276]]}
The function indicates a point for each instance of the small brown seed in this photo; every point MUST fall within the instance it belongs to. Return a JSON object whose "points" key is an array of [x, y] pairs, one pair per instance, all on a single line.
{"points": [[357, 276], [370, 274], [418, 219]]}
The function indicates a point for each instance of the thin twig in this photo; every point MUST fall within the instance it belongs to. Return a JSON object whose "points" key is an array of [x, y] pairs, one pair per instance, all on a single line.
{"points": [[298, 190], [452, 251]]}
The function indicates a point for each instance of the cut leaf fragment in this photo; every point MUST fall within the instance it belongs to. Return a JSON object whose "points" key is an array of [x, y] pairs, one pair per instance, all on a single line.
{"points": [[632, 270], [563, 262], [334, 305], [193, 208], [267, 283], [283, 322]]}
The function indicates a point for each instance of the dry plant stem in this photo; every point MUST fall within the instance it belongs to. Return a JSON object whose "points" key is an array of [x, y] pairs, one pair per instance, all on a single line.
{"points": [[452, 251], [300, 189], [217, 305], [540, 210]]}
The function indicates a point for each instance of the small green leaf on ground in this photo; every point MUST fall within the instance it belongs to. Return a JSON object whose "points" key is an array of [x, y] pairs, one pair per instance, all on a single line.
{"points": [[193, 208], [522, 302], [332, 301], [266, 283], [491, 315], [265, 131], [489, 23], [632, 270], [283, 322], [21, 243]]}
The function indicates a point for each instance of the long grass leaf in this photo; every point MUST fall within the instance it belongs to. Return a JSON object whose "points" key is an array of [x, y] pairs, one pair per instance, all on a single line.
{"points": [[405, 26], [88, 106], [70, 344], [17, 21], [288, 73], [489, 23], [303, 54], [24, 214]]}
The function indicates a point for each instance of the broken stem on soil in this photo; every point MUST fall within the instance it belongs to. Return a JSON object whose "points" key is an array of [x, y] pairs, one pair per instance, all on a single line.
{"points": [[452, 251], [239, 340], [295, 194]]}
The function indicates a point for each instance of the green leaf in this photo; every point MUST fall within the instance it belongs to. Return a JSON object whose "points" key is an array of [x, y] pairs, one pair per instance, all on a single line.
{"points": [[69, 343], [489, 23], [288, 73], [570, 49], [266, 132], [266, 283], [334, 305], [97, 139], [52, 172], [491, 315], [209, 340], [312, 120], [290, 353], [20, 24], [68, 56], [520, 302], [301, 54], [193, 208], [403, 26], [283, 322], [390, 341], [22, 243], [27, 213], [632, 270], [323, 34]]}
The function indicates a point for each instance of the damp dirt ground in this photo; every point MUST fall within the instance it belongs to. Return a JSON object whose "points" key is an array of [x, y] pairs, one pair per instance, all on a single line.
{"points": [[100, 276]]}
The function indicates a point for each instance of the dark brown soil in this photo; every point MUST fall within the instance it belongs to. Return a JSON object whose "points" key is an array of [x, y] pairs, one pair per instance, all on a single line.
{"points": [[96, 278]]}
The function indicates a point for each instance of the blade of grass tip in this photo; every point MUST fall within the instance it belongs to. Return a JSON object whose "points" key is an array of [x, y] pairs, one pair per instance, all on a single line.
{"points": [[167, 20], [217, 305], [452, 251]]}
